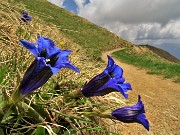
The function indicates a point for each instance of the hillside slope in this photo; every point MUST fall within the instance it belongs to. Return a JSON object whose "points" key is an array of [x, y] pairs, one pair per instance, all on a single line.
{"points": [[75, 31], [15, 60], [90, 36], [162, 53]]}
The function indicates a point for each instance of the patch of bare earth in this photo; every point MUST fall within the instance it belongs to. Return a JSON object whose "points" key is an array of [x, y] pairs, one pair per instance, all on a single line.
{"points": [[160, 96]]}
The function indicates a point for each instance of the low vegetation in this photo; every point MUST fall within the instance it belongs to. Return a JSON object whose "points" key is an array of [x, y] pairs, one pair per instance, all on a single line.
{"points": [[91, 37], [46, 111], [161, 53], [142, 57], [52, 109]]}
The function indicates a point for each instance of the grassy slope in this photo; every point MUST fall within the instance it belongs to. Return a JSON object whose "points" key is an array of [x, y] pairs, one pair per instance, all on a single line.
{"points": [[14, 60], [145, 59], [96, 39], [162, 53], [90, 36], [87, 40]]}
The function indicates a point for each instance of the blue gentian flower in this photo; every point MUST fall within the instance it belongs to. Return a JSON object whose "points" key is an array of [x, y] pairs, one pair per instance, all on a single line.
{"points": [[49, 59], [130, 114], [109, 80], [25, 17]]}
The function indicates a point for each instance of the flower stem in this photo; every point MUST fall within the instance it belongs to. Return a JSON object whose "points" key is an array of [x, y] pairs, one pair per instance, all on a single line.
{"points": [[99, 114], [15, 97], [74, 94]]}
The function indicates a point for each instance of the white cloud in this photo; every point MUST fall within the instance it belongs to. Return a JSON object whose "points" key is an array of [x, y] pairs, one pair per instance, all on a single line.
{"points": [[80, 3], [132, 11], [136, 20], [57, 2], [147, 32]]}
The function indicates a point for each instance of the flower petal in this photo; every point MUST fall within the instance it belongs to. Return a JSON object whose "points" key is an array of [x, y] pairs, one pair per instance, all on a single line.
{"points": [[130, 114], [112, 84], [36, 66], [24, 13], [27, 17], [125, 86], [71, 66], [54, 70], [63, 61], [63, 57], [110, 61], [118, 72], [142, 120], [48, 45], [29, 72], [139, 105], [111, 65], [93, 87], [36, 76], [30, 46], [108, 81], [37, 81], [120, 80]]}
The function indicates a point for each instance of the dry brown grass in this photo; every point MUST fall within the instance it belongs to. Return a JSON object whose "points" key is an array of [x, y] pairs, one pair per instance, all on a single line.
{"points": [[12, 30], [10, 36]]}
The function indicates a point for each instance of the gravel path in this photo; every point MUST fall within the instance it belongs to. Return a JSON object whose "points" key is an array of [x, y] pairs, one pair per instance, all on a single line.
{"points": [[160, 96]]}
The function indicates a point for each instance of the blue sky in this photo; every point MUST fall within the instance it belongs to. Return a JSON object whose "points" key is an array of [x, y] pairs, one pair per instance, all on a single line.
{"points": [[154, 22], [71, 6]]}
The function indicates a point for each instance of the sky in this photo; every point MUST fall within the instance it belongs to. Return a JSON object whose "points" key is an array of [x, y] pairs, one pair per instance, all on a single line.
{"points": [[153, 22]]}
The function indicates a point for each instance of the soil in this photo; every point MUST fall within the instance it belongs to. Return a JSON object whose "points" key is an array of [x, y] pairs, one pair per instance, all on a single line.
{"points": [[160, 96]]}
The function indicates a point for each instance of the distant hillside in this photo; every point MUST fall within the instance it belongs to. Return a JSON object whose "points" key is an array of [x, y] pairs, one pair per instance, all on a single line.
{"points": [[172, 48], [91, 37], [162, 53]]}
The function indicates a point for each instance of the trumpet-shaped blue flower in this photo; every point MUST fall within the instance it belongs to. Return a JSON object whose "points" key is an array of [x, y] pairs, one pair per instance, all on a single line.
{"points": [[36, 75], [25, 17], [130, 114], [49, 59], [109, 80]]}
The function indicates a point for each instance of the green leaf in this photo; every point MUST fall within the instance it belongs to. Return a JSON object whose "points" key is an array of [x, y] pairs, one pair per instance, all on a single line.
{"points": [[70, 116], [40, 110], [40, 131], [30, 112], [2, 71], [1, 131], [6, 112]]}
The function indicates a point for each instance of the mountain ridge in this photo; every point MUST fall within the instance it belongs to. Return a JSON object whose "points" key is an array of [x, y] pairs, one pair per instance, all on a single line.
{"points": [[172, 48], [162, 53]]}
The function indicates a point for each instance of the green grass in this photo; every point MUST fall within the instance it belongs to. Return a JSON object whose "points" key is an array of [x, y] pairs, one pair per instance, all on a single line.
{"points": [[48, 101], [90, 36], [152, 62], [48, 110]]}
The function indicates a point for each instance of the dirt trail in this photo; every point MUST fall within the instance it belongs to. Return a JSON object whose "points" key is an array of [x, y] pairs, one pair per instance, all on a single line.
{"points": [[160, 96]]}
